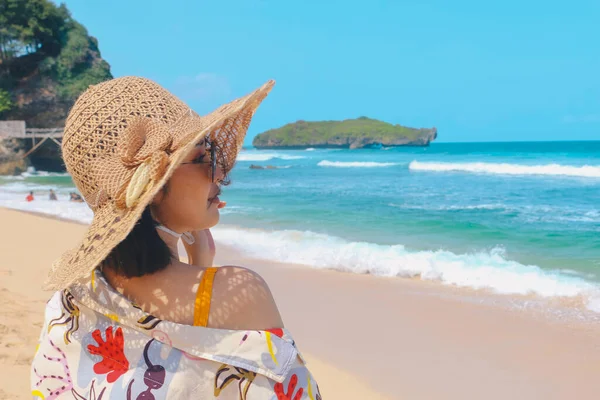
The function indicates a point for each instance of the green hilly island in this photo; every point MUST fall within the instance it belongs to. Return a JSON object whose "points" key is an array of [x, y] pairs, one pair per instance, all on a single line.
{"points": [[350, 133]]}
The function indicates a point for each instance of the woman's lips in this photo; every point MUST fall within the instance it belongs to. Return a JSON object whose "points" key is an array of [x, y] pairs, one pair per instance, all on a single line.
{"points": [[217, 201]]}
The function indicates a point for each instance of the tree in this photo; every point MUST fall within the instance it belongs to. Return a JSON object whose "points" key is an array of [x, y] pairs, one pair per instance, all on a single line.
{"points": [[43, 48], [28, 26], [5, 102]]}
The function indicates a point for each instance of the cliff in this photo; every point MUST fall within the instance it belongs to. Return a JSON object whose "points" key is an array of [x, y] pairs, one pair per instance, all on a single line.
{"points": [[47, 59], [351, 133]]}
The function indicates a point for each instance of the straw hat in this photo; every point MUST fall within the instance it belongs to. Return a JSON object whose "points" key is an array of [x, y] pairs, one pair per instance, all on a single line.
{"points": [[123, 139]]}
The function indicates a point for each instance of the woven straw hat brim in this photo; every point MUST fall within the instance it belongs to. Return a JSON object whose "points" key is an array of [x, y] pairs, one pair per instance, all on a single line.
{"points": [[112, 224]]}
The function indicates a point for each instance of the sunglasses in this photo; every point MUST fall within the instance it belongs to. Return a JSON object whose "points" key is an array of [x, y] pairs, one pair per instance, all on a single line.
{"points": [[212, 162], [154, 377]]}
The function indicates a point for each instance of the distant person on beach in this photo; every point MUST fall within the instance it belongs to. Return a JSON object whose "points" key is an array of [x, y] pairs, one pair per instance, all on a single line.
{"points": [[128, 315], [52, 195], [29, 197], [75, 197]]}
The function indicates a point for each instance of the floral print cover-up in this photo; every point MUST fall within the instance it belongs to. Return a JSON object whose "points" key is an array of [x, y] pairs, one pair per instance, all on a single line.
{"points": [[96, 345]]}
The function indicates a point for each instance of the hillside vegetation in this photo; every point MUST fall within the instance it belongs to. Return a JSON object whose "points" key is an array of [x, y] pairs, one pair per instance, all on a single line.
{"points": [[350, 133], [46, 60]]}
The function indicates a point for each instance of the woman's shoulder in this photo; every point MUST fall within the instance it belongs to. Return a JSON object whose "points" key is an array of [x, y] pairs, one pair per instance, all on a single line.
{"points": [[242, 299]]}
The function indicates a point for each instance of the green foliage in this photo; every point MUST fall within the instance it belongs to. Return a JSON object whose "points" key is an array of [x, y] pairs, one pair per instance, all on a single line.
{"points": [[73, 68], [27, 26], [360, 131], [41, 42], [5, 102]]}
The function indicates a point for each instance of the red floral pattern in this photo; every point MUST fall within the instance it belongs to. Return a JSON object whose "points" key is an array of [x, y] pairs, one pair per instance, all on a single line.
{"points": [[281, 395], [113, 361], [276, 332]]}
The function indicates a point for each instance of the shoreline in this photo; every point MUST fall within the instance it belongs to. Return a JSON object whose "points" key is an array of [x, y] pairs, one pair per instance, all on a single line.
{"points": [[427, 244], [371, 335], [560, 309]]}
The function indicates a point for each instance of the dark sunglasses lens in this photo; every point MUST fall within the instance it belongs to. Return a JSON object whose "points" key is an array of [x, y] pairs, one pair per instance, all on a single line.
{"points": [[213, 159]]}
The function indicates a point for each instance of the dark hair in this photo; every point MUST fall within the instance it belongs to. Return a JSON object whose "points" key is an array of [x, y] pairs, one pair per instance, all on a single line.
{"points": [[142, 252]]}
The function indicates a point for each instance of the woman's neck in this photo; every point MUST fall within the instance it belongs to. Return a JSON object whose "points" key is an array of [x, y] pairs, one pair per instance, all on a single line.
{"points": [[171, 242]]}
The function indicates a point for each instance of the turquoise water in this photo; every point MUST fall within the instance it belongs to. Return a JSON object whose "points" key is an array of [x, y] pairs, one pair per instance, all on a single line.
{"points": [[511, 217], [550, 219]]}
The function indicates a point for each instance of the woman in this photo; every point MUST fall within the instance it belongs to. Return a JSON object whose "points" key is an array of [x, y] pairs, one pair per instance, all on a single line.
{"points": [[130, 320]]}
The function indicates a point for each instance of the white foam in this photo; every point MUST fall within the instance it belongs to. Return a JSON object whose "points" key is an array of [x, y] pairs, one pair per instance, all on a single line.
{"points": [[33, 173], [593, 304], [593, 214], [62, 207], [240, 210], [11, 178], [450, 208], [570, 272], [486, 269], [529, 213], [256, 156], [355, 164], [310, 149], [589, 171], [19, 186]]}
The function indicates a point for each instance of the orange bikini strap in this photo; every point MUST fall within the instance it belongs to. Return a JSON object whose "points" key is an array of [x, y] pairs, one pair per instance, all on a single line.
{"points": [[203, 297]]}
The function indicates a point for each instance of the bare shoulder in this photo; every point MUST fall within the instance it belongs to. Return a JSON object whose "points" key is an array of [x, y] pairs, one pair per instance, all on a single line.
{"points": [[242, 299]]}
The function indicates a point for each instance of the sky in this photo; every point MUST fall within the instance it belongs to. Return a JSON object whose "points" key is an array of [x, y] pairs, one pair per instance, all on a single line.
{"points": [[476, 70]]}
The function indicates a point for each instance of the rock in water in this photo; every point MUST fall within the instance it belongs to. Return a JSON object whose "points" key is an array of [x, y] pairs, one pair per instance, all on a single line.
{"points": [[254, 166]]}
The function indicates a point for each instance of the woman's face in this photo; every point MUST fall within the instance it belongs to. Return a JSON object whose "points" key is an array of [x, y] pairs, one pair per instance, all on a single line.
{"points": [[190, 201]]}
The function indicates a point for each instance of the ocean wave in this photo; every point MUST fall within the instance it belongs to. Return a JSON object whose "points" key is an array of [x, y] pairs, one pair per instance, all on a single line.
{"points": [[33, 174], [489, 269], [248, 156], [11, 178], [450, 208], [482, 270], [588, 171], [554, 214], [62, 207], [240, 210], [528, 213], [22, 186], [355, 164], [593, 214]]}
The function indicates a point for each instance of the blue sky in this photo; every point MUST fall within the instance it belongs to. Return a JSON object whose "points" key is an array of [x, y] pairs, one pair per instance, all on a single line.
{"points": [[478, 71]]}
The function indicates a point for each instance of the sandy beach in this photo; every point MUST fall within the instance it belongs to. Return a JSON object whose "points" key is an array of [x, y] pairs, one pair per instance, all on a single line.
{"points": [[365, 337]]}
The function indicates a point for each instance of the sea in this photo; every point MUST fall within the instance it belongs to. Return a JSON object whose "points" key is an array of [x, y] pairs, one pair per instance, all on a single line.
{"points": [[515, 218]]}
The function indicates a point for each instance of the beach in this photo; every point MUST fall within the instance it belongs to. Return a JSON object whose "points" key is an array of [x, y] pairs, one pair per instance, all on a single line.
{"points": [[364, 336], [429, 230]]}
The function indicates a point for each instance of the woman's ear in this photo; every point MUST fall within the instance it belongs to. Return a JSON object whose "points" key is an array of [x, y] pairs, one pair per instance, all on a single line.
{"points": [[156, 202], [158, 198]]}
